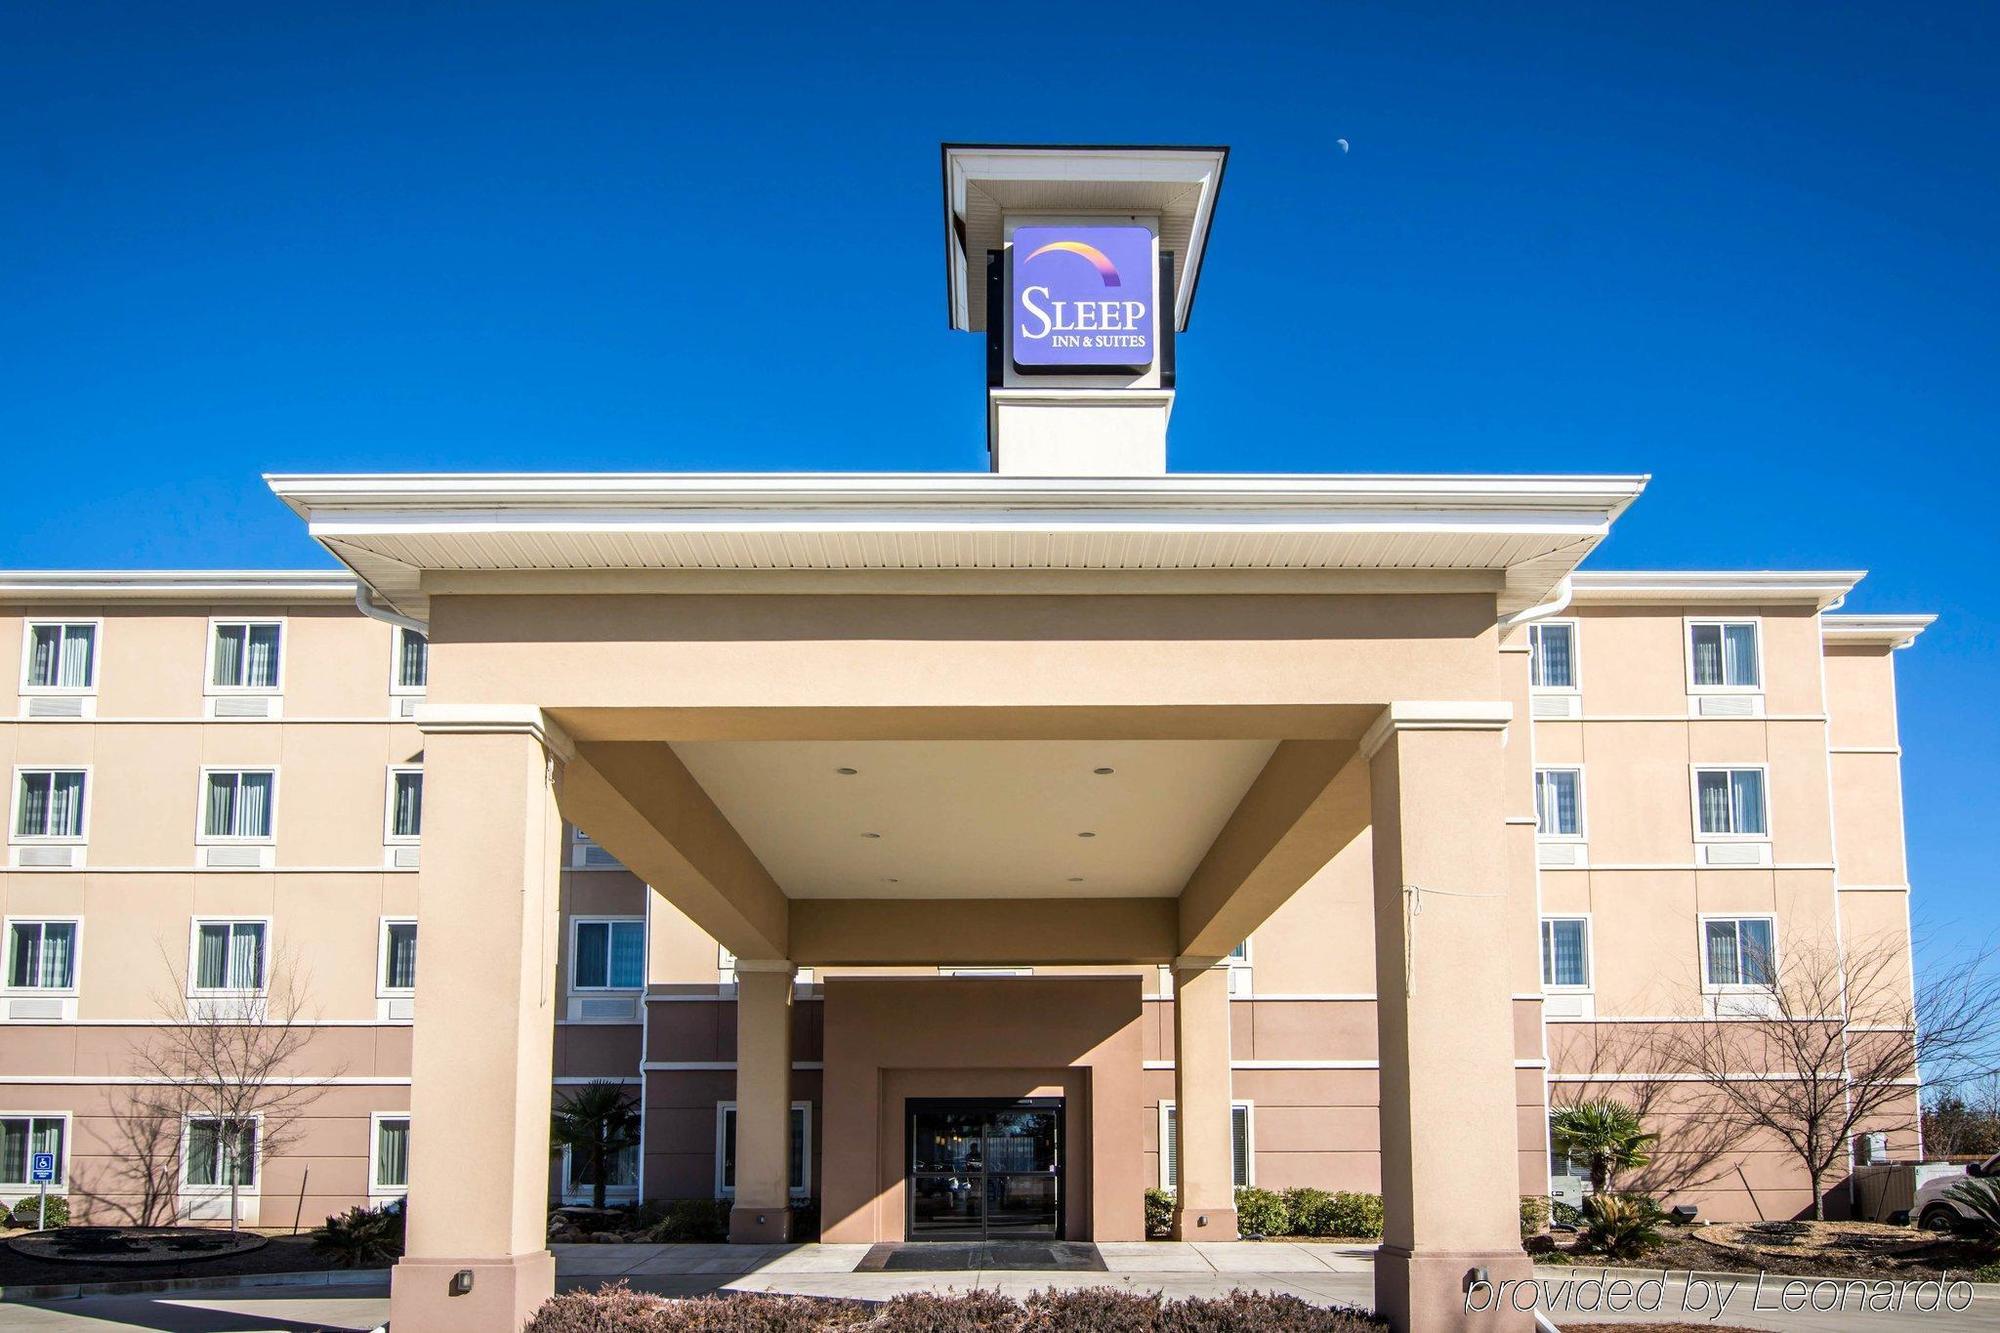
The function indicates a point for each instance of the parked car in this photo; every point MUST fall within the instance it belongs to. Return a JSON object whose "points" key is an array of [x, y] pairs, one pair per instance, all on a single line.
{"points": [[1936, 1211]]}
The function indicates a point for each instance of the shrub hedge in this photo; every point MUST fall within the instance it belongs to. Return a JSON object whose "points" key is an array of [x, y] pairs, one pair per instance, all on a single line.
{"points": [[28, 1212], [618, 1309]]}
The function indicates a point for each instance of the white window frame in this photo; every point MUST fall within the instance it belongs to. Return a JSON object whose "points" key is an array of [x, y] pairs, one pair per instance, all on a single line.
{"points": [[1688, 624], [1589, 954], [1694, 801], [58, 1188], [391, 838], [802, 1190], [945, 971], [576, 988], [76, 953], [383, 990], [256, 1185], [1582, 833], [1738, 987], [396, 687], [203, 838], [1249, 1109], [197, 992], [28, 625], [376, 1189], [573, 1194], [18, 839], [1575, 656], [208, 685]]}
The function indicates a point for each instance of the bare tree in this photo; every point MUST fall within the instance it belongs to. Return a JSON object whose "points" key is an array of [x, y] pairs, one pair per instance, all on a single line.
{"points": [[141, 1183], [1821, 1044], [227, 1072], [1693, 1150]]}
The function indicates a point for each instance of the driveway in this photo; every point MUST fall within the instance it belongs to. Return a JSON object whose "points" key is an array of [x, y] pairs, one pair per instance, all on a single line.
{"points": [[1324, 1274]]}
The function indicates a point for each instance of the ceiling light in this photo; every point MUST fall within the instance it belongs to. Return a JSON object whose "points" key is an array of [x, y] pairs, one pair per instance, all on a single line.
{"points": [[891, 879], [871, 835], [1086, 835], [847, 772], [1076, 879], [1103, 772]]}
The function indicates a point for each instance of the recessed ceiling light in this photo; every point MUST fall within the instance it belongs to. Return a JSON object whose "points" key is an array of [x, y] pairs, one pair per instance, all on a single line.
{"points": [[1076, 879], [1102, 772], [847, 772], [871, 835], [1086, 835], [891, 879]]}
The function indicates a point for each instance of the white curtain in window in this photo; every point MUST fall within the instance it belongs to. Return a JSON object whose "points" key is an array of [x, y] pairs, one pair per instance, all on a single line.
{"points": [[1556, 807], [1563, 954], [239, 805], [204, 1150], [261, 660], [1739, 654], [79, 647], [409, 804], [1722, 954], [1754, 937], [33, 807], [1746, 805], [392, 1154], [246, 956], [45, 656], [399, 967], [211, 956], [413, 660], [1553, 656], [1707, 640], [1712, 793], [228, 655], [54, 963]]}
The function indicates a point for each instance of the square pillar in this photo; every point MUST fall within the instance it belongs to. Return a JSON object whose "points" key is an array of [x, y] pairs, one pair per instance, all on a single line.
{"points": [[1205, 1172], [1450, 1175], [762, 1213], [487, 924]]}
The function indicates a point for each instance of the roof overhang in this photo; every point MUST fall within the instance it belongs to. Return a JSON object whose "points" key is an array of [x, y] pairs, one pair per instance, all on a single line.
{"points": [[397, 531], [176, 585], [984, 181], [1888, 631], [1822, 588]]}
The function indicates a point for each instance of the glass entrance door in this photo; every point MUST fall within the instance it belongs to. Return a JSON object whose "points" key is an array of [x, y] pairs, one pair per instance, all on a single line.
{"points": [[985, 1170]]}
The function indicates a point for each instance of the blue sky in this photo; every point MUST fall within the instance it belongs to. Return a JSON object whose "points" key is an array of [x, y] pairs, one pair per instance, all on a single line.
{"points": [[1747, 249]]}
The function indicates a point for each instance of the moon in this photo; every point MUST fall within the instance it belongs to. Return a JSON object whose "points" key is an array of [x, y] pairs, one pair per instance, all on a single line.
{"points": [[1343, 144]]}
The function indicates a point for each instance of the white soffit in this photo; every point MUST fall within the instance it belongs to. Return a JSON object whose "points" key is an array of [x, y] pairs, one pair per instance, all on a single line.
{"points": [[982, 182], [1823, 588], [391, 530], [977, 819], [176, 585], [1891, 630]]}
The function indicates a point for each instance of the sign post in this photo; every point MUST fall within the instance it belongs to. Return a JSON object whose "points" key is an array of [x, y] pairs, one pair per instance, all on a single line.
{"points": [[41, 1171]]}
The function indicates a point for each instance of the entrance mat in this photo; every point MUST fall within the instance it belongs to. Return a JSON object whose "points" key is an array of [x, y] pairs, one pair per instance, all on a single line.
{"points": [[1006, 1256]]}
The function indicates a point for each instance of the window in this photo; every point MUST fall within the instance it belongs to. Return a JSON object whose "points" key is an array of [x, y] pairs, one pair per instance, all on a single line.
{"points": [[1552, 655], [413, 662], [48, 805], [1722, 655], [41, 955], [21, 1137], [61, 657], [1240, 954], [221, 1153], [243, 655], [799, 1174], [399, 956], [390, 1173], [1566, 952], [622, 1172], [229, 956], [1737, 951], [1559, 802], [608, 955], [406, 804], [1729, 803], [1239, 1145], [238, 804]]}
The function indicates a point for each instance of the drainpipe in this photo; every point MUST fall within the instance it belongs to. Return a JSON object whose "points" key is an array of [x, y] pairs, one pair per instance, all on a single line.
{"points": [[364, 602], [1554, 606]]}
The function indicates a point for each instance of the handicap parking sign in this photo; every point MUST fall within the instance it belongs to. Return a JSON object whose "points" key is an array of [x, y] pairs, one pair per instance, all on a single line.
{"points": [[42, 1170]]}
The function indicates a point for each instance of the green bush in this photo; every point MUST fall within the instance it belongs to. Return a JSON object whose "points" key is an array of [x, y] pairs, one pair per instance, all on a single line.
{"points": [[1357, 1214], [1261, 1213], [360, 1238], [1159, 1212], [1564, 1214], [1620, 1226], [28, 1212], [1310, 1211], [684, 1221], [618, 1309], [1534, 1214]]}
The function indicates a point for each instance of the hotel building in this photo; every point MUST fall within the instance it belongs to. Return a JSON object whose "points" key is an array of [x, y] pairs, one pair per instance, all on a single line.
{"points": [[964, 853]]}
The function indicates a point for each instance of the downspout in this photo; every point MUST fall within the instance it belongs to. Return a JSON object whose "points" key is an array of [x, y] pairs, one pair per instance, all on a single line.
{"points": [[1554, 606], [366, 605]]}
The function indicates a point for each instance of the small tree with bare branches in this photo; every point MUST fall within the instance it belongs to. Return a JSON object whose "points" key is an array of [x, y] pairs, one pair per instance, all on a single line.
{"points": [[1820, 1044], [227, 1071]]}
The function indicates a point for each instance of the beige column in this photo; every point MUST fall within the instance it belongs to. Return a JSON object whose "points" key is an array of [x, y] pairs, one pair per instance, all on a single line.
{"points": [[487, 922], [1204, 1175], [1450, 1177], [762, 1211]]}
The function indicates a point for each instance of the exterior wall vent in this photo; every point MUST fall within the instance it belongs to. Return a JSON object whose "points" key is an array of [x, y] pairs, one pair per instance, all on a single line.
{"points": [[1556, 705], [34, 1009], [620, 1010], [233, 705], [407, 858], [56, 705], [1730, 705], [1559, 854], [1736, 853], [235, 858], [44, 857]]}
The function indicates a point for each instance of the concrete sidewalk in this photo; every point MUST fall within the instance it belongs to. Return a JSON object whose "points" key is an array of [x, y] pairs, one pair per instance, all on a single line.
{"points": [[1323, 1274]]}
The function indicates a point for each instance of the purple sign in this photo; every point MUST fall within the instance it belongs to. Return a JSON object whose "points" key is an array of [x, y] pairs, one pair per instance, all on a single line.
{"points": [[1083, 296]]}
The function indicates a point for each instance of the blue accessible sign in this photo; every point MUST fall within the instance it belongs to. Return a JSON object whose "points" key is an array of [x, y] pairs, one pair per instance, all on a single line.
{"points": [[42, 1169]]}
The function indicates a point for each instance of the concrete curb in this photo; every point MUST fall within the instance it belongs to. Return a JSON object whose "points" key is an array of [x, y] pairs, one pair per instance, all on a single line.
{"points": [[69, 1291]]}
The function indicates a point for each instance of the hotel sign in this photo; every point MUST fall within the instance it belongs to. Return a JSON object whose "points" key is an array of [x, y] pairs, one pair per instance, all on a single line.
{"points": [[1083, 298]]}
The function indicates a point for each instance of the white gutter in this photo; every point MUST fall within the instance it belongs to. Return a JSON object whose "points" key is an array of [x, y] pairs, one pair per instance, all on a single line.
{"points": [[1554, 606], [365, 603]]}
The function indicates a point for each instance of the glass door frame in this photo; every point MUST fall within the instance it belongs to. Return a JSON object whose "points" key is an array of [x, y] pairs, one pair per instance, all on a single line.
{"points": [[987, 1106]]}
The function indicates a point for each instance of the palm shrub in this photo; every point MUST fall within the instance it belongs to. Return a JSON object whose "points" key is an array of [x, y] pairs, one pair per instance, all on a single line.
{"points": [[1981, 1196], [1159, 1212], [1261, 1212], [596, 1123], [29, 1213], [1620, 1226], [360, 1238], [1604, 1134], [1534, 1214]]}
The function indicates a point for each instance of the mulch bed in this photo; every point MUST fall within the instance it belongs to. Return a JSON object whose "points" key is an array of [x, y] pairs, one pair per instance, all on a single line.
{"points": [[1818, 1249], [282, 1254]]}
